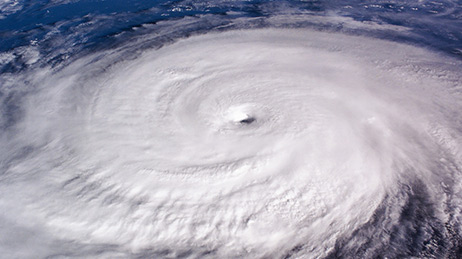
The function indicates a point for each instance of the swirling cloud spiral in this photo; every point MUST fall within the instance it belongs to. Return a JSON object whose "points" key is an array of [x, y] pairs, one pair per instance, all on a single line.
{"points": [[245, 143]]}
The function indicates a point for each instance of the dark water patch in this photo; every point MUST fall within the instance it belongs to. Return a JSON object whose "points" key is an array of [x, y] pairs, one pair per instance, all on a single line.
{"points": [[410, 230]]}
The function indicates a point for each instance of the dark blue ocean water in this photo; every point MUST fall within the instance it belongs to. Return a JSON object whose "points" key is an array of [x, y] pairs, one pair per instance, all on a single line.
{"points": [[62, 28]]}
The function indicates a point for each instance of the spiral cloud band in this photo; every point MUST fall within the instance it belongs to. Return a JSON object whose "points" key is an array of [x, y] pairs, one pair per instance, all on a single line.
{"points": [[246, 143]]}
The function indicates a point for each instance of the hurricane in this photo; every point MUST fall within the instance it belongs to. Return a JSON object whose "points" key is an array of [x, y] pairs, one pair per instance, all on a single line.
{"points": [[230, 129]]}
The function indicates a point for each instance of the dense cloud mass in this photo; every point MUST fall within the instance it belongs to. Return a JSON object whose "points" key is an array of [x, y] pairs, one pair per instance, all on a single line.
{"points": [[232, 138]]}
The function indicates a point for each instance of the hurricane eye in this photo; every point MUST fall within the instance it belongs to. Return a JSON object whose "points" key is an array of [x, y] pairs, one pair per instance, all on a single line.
{"points": [[248, 120]]}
